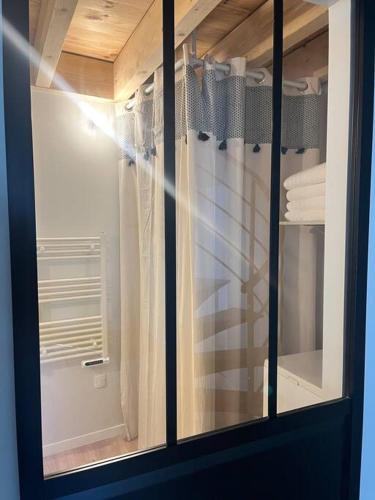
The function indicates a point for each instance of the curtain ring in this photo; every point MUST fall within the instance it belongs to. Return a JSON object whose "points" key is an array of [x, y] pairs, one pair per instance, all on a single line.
{"points": [[301, 91], [261, 80]]}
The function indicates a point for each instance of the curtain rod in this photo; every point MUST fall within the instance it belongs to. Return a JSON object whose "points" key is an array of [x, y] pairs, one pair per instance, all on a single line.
{"points": [[258, 76]]}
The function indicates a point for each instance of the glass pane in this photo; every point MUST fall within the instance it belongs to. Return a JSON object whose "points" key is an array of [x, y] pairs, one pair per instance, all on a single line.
{"points": [[313, 205], [223, 159], [100, 232]]}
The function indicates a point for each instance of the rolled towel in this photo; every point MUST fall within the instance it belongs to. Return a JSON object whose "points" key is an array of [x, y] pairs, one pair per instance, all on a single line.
{"points": [[314, 175], [300, 193], [318, 202], [305, 216]]}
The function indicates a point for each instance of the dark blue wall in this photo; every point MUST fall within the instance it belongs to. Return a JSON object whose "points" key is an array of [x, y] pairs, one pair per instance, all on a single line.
{"points": [[368, 451], [8, 453]]}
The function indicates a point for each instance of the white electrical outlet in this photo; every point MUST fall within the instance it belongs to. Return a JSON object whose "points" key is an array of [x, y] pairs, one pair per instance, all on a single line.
{"points": [[100, 381]]}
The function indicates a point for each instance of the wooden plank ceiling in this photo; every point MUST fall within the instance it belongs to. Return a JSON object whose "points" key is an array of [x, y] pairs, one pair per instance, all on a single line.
{"points": [[100, 28], [122, 38]]}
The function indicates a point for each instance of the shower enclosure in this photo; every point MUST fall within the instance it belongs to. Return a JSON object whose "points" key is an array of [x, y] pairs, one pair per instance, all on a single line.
{"points": [[191, 228]]}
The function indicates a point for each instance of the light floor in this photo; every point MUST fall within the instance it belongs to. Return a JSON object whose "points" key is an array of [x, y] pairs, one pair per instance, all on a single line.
{"points": [[87, 454]]}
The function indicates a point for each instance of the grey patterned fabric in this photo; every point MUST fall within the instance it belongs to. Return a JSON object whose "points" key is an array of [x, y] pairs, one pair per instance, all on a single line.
{"points": [[133, 137], [125, 133], [144, 137], [301, 120], [158, 117], [258, 112], [216, 107], [227, 109]]}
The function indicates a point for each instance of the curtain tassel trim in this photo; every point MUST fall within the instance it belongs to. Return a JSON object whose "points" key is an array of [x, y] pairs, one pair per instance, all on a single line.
{"points": [[223, 145], [202, 136], [299, 151]]}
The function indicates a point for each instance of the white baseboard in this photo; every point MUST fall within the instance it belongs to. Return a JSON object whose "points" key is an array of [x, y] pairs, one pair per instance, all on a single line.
{"points": [[75, 442]]}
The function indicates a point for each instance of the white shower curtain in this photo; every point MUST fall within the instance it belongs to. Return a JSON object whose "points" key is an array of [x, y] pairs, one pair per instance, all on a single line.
{"points": [[223, 162], [142, 273], [223, 165]]}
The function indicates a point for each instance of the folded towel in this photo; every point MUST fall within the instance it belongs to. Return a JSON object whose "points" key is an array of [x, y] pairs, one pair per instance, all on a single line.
{"points": [[318, 202], [301, 193], [314, 175], [305, 216]]}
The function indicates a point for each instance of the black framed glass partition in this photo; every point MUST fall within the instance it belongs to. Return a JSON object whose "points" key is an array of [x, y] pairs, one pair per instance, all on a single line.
{"points": [[223, 176], [177, 296], [313, 211], [99, 201]]}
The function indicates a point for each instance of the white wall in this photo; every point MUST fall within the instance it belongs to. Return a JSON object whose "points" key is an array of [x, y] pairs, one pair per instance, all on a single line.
{"points": [[336, 184], [76, 190], [8, 450]]}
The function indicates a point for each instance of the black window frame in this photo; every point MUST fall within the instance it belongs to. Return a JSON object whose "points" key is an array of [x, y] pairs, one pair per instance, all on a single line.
{"points": [[251, 435]]}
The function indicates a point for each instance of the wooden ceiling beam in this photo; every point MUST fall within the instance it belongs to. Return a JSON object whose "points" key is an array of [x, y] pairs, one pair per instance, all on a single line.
{"points": [[143, 53], [253, 38], [86, 75], [54, 20], [309, 59]]}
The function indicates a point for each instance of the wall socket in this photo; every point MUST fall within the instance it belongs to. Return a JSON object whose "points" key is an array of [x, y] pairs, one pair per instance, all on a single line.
{"points": [[100, 381]]}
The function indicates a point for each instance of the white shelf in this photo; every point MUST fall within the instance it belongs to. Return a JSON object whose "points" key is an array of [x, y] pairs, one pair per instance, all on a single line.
{"points": [[300, 223], [306, 366], [299, 380]]}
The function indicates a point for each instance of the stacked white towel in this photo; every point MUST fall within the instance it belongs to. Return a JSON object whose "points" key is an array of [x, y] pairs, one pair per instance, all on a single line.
{"points": [[306, 195]]}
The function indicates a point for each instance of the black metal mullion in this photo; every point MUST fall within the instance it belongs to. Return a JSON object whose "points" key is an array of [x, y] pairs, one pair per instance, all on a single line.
{"points": [[22, 236], [275, 206], [357, 227], [170, 221]]}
